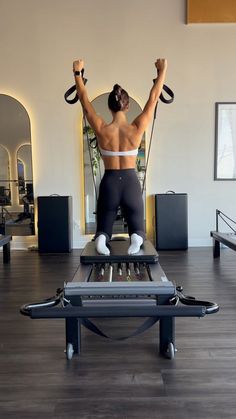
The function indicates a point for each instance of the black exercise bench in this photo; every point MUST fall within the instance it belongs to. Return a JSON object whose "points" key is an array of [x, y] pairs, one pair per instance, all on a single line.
{"points": [[5, 242], [228, 239]]}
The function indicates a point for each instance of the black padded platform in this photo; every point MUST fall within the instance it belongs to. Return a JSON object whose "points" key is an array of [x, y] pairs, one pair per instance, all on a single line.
{"points": [[119, 253]]}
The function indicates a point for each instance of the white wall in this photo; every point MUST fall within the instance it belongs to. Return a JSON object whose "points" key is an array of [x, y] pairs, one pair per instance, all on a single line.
{"points": [[119, 41]]}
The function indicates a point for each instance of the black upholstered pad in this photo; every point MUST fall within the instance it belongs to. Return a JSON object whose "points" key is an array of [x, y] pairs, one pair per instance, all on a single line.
{"points": [[119, 253]]}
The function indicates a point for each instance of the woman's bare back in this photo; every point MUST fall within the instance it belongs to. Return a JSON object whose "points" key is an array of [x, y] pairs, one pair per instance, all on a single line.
{"points": [[119, 137]]}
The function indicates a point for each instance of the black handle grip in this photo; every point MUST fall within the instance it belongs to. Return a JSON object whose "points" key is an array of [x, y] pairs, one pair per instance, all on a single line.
{"points": [[169, 92], [72, 89]]}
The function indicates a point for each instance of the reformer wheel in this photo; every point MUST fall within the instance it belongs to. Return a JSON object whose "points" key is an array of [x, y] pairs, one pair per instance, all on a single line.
{"points": [[170, 353], [69, 351]]}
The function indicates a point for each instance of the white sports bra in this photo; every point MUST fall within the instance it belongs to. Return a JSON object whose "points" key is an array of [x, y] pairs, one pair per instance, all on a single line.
{"points": [[118, 153]]}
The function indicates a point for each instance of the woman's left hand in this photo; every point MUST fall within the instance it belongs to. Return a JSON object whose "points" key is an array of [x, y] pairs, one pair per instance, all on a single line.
{"points": [[78, 65]]}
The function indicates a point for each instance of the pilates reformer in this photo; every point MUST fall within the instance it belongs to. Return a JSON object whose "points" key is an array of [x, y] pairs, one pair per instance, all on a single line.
{"points": [[120, 285], [115, 286]]}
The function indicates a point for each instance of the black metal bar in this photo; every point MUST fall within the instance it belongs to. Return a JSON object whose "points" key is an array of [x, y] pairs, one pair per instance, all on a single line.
{"points": [[217, 220], [149, 149], [6, 252], [166, 333], [166, 329], [73, 334], [118, 311], [226, 216], [216, 248], [220, 214]]}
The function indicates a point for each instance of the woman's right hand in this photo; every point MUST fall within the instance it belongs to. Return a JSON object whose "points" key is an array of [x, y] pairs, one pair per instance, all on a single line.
{"points": [[78, 65], [161, 64]]}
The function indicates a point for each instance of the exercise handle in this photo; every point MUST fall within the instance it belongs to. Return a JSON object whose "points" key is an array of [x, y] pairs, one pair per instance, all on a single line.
{"points": [[71, 90], [169, 92], [68, 93]]}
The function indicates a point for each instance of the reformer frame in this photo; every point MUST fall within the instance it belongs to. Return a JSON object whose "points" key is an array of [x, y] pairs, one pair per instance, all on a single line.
{"points": [[152, 295], [115, 286]]}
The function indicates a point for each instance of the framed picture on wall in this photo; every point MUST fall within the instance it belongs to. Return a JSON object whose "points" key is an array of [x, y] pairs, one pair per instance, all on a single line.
{"points": [[225, 141]]}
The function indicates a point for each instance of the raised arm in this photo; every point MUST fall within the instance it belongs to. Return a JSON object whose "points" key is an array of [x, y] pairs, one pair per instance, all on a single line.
{"points": [[94, 120], [142, 121]]}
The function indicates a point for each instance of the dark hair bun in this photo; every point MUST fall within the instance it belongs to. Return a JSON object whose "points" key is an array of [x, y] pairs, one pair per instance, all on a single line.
{"points": [[117, 92], [118, 99], [117, 89]]}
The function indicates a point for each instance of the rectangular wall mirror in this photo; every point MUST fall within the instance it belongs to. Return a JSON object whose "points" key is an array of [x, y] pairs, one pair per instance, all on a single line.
{"points": [[225, 141]]}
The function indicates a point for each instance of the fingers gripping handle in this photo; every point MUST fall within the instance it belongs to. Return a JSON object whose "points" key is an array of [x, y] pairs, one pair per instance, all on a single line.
{"points": [[75, 99]]}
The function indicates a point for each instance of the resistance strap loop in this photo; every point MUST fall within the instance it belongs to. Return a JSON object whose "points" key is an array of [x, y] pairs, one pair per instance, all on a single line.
{"points": [[149, 322], [71, 90], [169, 92], [164, 100]]}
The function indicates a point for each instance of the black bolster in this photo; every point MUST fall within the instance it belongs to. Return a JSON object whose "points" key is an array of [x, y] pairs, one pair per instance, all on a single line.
{"points": [[122, 311]]}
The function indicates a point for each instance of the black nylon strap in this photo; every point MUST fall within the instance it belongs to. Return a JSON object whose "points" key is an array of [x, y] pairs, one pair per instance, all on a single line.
{"points": [[68, 93], [75, 99], [169, 92], [149, 322], [164, 100], [71, 90]]}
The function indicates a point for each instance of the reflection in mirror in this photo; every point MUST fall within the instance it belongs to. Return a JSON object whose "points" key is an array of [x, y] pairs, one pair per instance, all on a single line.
{"points": [[5, 189], [16, 186], [25, 175], [94, 168]]}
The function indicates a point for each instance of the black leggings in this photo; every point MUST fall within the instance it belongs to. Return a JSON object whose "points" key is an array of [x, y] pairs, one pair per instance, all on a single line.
{"points": [[120, 188]]}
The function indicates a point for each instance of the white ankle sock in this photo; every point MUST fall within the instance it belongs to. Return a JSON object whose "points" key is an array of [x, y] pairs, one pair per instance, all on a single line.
{"points": [[100, 244], [136, 243]]}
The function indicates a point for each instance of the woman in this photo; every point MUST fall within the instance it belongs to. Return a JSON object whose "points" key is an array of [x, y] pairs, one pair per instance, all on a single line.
{"points": [[119, 142]]}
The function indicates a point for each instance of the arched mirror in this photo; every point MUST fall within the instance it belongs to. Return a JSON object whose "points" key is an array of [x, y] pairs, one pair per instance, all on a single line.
{"points": [[16, 178], [5, 188], [94, 169]]}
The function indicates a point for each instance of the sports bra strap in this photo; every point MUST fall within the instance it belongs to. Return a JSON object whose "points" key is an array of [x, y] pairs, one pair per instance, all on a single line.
{"points": [[118, 153]]}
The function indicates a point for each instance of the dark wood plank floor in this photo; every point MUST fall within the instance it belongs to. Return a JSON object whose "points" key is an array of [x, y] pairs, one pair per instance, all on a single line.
{"points": [[125, 379]]}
